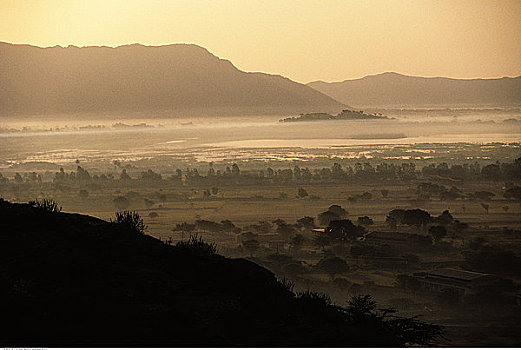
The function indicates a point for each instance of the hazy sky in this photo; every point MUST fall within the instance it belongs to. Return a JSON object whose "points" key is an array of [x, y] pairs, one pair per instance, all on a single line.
{"points": [[304, 40]]}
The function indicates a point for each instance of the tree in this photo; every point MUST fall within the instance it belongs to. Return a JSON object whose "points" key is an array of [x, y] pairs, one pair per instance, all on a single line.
{"points": [[366, 196], [307, 222], [47, 205], [229, 226], [150, 175], [445, 218], [397, 215], [484, 195], [338, 210], [391, 222], [333, 266], [416, 217], [326, 217], [251, 245], [364, 220], [18, 178], [491, 172], [284, 228], [184, 227], [132, 220], [261, 227], [124, 176], [297, 241], [321, 241], [197, 246], [248, 236], [485, 206], [235, 170], [302, 193], [342, 231], [361, 310], [384, 193], [437, 232]]}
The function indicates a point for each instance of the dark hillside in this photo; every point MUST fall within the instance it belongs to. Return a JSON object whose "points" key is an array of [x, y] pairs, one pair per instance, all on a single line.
{"points": [[74, 280]]}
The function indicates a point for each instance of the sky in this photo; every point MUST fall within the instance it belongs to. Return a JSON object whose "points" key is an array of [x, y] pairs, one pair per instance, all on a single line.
{"points": [[304, 40]]}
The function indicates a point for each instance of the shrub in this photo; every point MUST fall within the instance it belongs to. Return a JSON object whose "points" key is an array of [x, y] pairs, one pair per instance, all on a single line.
{"points": [[197, 246], [47, 205], [287, 285], [132, 220], [333, 266], [316, 299]]}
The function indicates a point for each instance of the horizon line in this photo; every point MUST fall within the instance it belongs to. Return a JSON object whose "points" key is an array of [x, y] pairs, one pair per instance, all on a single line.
{"points": [[388, 72]]}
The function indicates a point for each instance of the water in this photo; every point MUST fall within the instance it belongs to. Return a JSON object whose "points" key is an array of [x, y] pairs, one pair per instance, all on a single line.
{"points": [[63, 139]]}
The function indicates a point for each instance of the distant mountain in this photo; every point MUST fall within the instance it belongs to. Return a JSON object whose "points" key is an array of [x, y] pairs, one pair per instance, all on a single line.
{"points": [[396, 90], [136, 78]]}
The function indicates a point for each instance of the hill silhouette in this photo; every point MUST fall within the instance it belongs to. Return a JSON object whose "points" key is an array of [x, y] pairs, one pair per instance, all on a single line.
{"points": [[136, 78], [75, 280], [397, 90]]}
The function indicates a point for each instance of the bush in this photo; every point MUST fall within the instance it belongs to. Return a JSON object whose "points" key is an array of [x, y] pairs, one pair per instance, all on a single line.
{"points": [[333, 266], [197, 246], [47, 205], [316, 299], [287, 284], [131, 220]]}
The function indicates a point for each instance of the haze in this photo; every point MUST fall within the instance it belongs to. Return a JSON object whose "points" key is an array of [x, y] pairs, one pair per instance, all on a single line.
{"points": [[330, 40], [260, 173]]}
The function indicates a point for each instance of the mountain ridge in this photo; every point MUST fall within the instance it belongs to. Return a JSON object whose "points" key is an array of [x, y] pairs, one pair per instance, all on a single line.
{"points": [[391, 89], [135, 77], [392, 73]]}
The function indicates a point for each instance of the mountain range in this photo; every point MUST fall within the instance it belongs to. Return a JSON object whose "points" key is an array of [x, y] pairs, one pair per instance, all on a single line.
{"points": [[397, 90], [184, 79], [175, 78]]}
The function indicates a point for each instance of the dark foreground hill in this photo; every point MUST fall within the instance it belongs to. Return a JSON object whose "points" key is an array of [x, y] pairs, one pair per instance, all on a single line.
{"points": [[177, 79], [69, 279], [397, 90]]}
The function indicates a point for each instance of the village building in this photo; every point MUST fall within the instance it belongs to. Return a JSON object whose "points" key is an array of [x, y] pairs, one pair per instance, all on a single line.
{"points": [[455, 282]]}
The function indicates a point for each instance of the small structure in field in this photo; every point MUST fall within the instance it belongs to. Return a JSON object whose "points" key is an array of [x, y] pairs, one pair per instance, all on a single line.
{"points": [[455, 282]]}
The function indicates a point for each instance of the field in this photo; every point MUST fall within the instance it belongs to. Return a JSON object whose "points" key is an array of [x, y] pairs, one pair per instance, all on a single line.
{"points": [[247, 171]]}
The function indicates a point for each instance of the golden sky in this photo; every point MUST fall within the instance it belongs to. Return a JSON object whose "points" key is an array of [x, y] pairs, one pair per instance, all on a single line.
{"points": [[304, 40]]}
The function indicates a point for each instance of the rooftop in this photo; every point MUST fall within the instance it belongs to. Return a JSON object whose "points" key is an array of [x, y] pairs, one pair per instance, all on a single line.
{"points": [[457, 274]]}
